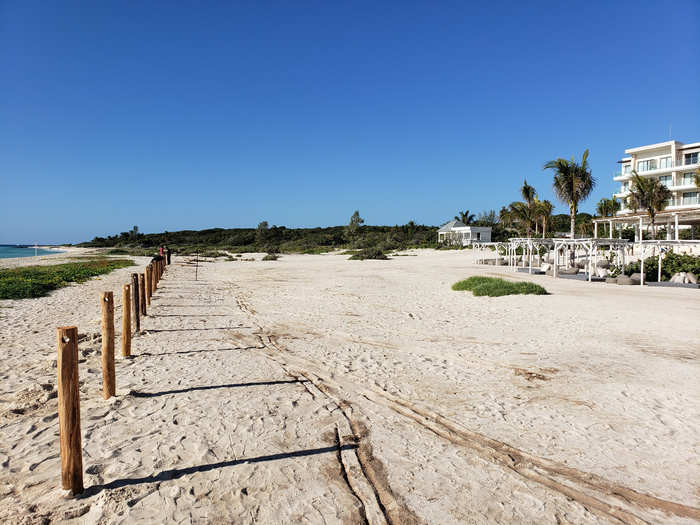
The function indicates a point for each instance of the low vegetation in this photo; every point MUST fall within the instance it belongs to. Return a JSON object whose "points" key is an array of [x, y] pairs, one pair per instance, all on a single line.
{"points": [[37, 281], [494, 287], [273, 239], [271, 257], [369, 253], [671, 264]]}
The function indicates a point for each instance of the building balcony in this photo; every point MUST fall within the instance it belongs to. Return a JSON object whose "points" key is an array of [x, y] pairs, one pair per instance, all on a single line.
{"points": [[675, 207], [683, 187], [619, 177]]}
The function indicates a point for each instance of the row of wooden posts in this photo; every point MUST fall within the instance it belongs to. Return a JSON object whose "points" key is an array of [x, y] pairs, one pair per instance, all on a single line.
{"points": [[136, 295]]}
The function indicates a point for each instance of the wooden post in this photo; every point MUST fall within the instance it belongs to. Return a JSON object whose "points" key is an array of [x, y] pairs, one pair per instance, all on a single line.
{"points": [[155, 274], [126, 320], [142, 294], [108, 378], [153, 278], [135, 300], [149, 282], [69, 409]]}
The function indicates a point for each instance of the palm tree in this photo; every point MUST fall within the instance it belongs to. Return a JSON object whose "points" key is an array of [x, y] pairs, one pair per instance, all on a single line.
{"points": [[697, 177], [522, 214], [544, 212], [573, 183], [649, 194], [505, 217], [528, 192], [608, 208], [466, 217]]}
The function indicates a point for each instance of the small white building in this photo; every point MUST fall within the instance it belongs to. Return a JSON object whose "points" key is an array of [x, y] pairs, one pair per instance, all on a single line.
{"points": [[456, 232]]}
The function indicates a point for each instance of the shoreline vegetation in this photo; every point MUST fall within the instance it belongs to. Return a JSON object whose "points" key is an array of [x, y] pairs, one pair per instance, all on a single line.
{"points": [[27, 282], [356, 235]]}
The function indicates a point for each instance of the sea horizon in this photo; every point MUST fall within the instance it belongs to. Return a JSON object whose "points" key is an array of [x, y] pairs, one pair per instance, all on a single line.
{"points": [[11, 251]]}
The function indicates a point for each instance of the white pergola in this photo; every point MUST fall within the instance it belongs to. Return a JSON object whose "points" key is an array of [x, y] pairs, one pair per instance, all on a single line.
{"points": [[563, 249], [590, 247], [671, 219]]}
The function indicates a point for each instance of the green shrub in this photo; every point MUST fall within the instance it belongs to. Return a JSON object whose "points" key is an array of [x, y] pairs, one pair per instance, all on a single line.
{"points": [[37, 281], [271, 257], [369, 253], [671, 264], [494, 287]]}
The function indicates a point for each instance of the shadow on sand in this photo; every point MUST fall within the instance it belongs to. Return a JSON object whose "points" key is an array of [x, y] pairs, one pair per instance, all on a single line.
{"points": [[150, 354], [177, 473], [136, 393]]}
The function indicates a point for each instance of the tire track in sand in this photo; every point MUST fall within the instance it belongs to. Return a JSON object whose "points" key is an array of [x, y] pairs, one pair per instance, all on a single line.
{"points": [[590, 490]]}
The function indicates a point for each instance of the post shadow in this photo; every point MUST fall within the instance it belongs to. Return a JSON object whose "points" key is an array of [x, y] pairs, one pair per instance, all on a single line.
{"points": [[156, 330], [166, 475], [136, 393], [149, 354]]}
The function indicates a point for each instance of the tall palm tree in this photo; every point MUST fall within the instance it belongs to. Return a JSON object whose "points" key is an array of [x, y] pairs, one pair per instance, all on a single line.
{"points": [[544, 213], [573, 183], [466, 217], [650, 195], [528, 192], [697, 177]]}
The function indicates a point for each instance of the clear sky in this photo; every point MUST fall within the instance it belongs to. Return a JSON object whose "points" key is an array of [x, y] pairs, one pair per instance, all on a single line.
{"points": [[189, 115]]}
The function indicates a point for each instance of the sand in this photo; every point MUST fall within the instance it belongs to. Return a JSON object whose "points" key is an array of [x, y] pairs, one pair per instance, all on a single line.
{"points": [[314, 389]]}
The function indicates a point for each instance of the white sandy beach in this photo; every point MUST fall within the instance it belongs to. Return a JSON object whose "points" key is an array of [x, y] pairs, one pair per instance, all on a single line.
{"points": [[314, 389]]}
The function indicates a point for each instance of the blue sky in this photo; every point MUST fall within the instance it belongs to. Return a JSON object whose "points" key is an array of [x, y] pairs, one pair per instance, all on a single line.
{"points": [[185, 117]]}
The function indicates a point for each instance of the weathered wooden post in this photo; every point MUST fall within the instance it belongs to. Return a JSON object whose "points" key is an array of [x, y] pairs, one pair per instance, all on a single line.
{"points": [[149, 280], [142, 293], [69, 409], [155, 275], [108, 378], [126, 320], [135, 300]]}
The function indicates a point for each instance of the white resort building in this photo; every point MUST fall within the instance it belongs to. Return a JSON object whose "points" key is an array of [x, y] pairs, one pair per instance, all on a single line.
{"points": [[675, 165], [456, 232]]}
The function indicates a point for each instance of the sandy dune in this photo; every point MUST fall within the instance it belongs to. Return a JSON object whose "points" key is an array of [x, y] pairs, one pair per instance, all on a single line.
{"points": [[314, 389]]}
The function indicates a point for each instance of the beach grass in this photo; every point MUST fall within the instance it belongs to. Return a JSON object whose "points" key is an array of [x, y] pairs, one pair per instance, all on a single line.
{"points": [[37, 281], [494, 287]]}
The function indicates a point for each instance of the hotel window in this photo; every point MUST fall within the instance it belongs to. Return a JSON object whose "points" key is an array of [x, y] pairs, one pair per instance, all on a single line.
{"points": [[688, 179], [691, 197], [625, 187], [646, 165], [665, 180], [665, 162], [691, 158], [626, 169]]}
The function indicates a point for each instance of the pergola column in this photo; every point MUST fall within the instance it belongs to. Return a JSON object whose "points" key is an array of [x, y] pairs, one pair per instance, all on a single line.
{"points": [[675, 226], [610, 229], [595, 230]]}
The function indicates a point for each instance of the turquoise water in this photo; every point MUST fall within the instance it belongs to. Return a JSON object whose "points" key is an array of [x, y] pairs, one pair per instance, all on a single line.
{"points": [[7, 252]]}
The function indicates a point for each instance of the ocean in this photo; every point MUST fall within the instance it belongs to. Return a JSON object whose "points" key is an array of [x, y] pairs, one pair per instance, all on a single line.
{"points": [[8, 251]]}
